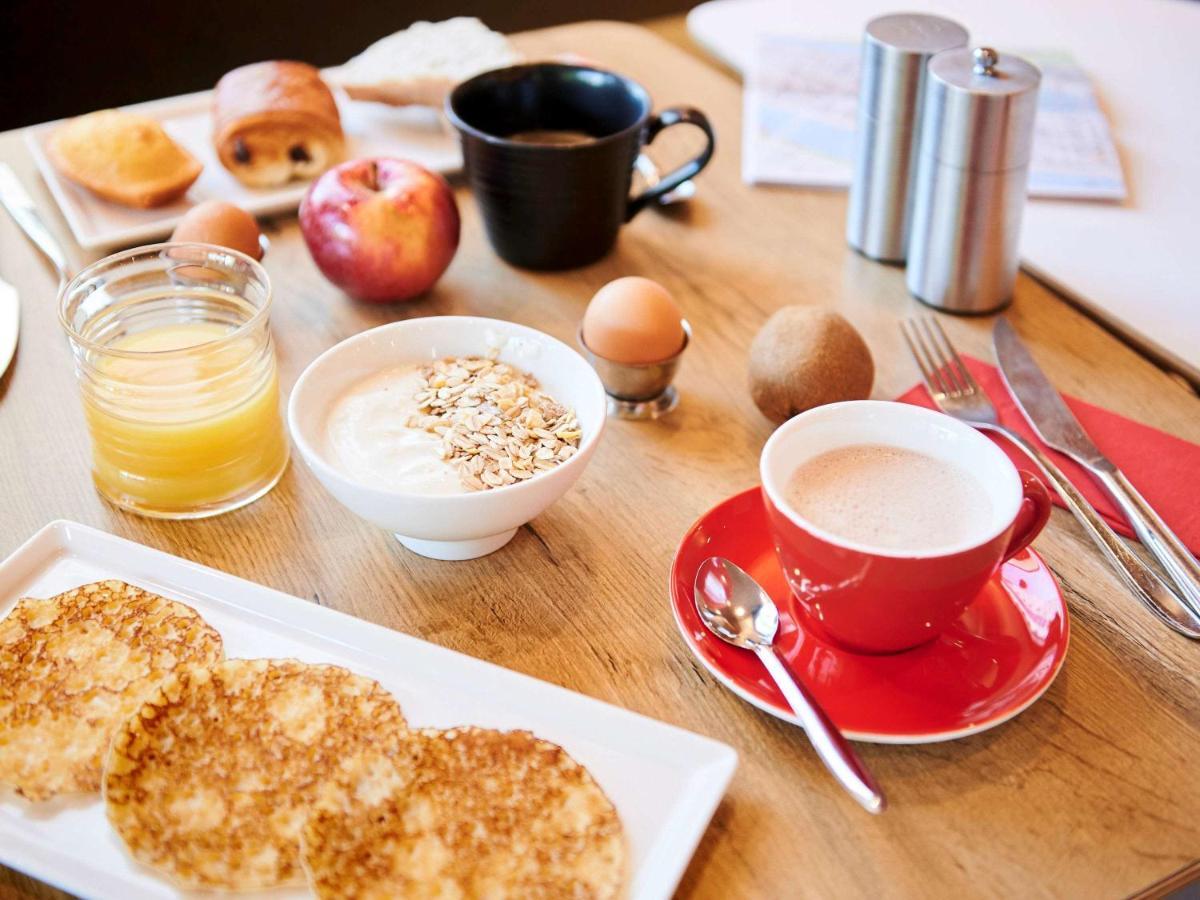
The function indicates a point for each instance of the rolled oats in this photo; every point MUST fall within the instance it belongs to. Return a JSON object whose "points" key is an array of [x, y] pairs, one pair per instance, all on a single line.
{"points": [[496, 425]]}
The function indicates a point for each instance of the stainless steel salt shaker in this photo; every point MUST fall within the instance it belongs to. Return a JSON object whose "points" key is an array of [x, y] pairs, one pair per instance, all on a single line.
{"points": [[972, 169], [895, 51]]}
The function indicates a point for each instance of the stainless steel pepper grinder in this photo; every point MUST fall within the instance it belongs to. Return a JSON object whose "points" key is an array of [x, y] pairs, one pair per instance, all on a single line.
{"points": [[895, 51], [972, 169]]}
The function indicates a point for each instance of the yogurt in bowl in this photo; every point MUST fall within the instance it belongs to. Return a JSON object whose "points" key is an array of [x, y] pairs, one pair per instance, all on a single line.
{"points": [[368, 436], [382, 419]]}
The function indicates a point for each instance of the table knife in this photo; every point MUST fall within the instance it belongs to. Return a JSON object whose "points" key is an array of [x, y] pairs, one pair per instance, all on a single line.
{"points": [[15, 199], [1057, 426], [10, 323]]}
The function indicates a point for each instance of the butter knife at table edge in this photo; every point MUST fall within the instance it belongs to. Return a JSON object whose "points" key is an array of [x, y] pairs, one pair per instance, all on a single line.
{"points": [[1057, 426], [1150, 590], [10, 323]]}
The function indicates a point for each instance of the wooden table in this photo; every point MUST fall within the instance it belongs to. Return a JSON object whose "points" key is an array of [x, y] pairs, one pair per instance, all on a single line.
{"points": [[1091, 792]]}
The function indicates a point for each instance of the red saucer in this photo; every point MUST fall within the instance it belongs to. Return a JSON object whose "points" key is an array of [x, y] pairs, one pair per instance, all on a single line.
{"points": [[996, 660]]}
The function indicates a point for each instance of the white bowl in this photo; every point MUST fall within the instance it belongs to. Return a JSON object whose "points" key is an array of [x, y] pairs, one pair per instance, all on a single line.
{"points": [[454, 526]]}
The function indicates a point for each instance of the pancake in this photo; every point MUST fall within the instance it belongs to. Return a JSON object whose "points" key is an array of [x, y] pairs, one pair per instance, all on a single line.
{"points": [[468, 813], [211, 781], [74, 667]]}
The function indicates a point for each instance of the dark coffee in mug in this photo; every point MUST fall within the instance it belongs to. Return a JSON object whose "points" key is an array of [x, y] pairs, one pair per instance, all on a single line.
{"points": [[555, 138], [549, 151]]}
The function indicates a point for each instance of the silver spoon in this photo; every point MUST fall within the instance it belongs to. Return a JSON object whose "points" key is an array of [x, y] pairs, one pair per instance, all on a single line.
{"points": [[736, 609]]}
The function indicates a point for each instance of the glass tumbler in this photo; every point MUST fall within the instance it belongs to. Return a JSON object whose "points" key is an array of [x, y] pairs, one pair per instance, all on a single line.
{"points": [[176, 368]]}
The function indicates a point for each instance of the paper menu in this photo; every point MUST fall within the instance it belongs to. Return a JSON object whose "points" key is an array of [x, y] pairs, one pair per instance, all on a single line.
{"points": [[801, 99]]}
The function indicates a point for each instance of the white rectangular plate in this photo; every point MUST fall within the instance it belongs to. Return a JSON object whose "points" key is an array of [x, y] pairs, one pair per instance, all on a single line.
{"points": [[665, 782], [372, 129]]}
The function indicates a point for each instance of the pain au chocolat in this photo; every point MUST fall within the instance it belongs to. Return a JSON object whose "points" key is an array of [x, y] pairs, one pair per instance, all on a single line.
{"points": [[276, 121]]}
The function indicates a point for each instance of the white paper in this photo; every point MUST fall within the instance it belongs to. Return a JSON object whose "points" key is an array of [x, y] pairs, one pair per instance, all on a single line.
{"points": [[801, 99]]}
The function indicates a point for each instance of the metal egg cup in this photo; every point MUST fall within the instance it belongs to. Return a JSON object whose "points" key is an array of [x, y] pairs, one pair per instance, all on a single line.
{"points": [[638, 390]]}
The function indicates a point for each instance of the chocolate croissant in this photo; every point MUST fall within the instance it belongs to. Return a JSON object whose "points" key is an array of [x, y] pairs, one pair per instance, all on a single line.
{"points": [[275, 121]]}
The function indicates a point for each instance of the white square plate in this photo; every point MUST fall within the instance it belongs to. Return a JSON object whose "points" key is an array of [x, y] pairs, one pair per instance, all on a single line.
{"points": [[665, 782], [371, 129]]}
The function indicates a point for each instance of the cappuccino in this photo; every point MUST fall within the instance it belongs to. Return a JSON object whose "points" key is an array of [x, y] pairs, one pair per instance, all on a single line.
{"points": [[890, 497]]}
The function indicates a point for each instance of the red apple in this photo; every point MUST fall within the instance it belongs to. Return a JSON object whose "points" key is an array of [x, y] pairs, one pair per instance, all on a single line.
{"points": [[380, 229]]}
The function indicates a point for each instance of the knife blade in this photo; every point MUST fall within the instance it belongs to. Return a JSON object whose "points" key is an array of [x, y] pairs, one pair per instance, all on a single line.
{"points": [[1042, 405], [10, 323], [1057, 426], [15, 199]]}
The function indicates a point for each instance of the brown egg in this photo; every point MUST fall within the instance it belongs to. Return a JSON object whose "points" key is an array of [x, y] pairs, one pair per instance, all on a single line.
{"points": [[223, 224], [633, 320]]}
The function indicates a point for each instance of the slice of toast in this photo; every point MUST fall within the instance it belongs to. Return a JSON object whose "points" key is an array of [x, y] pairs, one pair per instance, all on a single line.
{"points": [[420, 65]]}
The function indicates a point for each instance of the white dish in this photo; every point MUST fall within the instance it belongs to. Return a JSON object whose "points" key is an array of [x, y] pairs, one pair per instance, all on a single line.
{"points": [[372, 129], [10, 323], [447, 526], [665, 782]]}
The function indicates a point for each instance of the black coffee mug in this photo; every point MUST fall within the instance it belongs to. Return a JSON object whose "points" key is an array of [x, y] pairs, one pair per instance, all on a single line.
{"points": [[556, 195]]}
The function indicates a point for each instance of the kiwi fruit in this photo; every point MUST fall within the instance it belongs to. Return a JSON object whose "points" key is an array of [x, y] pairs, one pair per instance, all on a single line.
{"points": [[805, 357]]}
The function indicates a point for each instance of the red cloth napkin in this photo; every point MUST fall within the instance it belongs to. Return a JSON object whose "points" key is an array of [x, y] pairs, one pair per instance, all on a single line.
{"points": [[1164, 468]]}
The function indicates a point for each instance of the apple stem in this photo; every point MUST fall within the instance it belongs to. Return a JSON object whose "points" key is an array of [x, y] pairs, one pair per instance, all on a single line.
{"points": [[373, 181]]}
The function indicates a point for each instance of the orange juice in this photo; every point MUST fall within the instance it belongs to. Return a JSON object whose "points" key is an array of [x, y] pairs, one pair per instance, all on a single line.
{"points": [[214, 429], [177, 371]]}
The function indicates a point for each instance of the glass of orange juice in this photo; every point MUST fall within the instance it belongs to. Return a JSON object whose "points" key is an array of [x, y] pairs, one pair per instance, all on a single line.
{"points": [[176, 367]]}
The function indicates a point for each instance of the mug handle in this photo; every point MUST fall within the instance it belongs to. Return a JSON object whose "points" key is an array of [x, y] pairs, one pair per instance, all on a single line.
{"points": [[675, 115], [1033, 515]]}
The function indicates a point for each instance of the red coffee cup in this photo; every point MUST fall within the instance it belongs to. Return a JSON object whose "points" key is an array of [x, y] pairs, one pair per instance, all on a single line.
{"points": [[883, 600]]}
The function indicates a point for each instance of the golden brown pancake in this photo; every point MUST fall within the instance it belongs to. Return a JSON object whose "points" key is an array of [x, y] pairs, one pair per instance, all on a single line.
{"points": [[470, 813], [211, 781], [74, 667]]}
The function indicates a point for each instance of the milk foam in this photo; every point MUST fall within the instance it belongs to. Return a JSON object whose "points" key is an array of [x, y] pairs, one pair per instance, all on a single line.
{"points": [[890, 497]]}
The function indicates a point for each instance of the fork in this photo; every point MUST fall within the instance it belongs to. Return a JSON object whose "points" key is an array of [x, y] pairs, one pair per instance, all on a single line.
{"points": [[956, 392]]}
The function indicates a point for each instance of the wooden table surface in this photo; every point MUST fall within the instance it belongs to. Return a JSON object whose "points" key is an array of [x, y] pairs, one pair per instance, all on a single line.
{"points": [[1093, 791]]}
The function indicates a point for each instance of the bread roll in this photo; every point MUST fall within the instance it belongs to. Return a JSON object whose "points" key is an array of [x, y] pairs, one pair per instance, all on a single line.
{"points": [[275, 121], [420, 65]]}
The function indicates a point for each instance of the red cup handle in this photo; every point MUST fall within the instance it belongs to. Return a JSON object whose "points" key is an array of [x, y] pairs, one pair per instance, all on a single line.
{"points": [[1033, 515]]}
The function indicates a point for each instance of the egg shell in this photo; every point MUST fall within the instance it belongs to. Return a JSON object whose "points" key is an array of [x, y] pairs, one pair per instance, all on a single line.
{"points": [[633, 320], [223, 224]]}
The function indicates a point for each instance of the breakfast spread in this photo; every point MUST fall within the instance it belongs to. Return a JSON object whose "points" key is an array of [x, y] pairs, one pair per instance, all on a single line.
{"points": [[456, 425], [633, 320], [467, 812], [275, 121], [74, 667], [805, 357], [123, 157], [223, 224], [888, 496], [381, 229], [255, 774], [419, 65]]}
